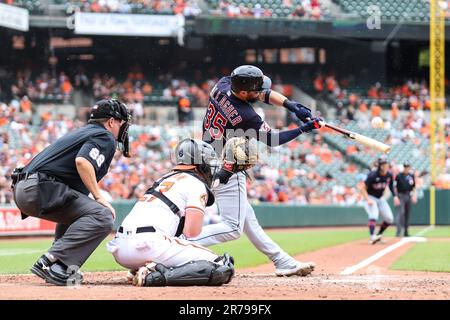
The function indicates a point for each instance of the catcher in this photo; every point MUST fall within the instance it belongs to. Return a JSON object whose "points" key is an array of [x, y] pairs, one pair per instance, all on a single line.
{"points": [[148, 240]]}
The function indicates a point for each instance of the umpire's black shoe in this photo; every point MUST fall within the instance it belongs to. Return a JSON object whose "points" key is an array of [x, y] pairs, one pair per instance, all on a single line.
{"points": [[54, 273]]}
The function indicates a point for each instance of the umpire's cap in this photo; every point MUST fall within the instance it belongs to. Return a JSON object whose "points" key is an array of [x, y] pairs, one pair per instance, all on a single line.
{"points": [[247, 78], [109, 108]]}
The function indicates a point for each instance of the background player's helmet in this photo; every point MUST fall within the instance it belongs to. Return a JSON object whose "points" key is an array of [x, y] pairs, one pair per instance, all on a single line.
{"points": [[199, 153], [105, 109], [382, 160], [247, 78]]}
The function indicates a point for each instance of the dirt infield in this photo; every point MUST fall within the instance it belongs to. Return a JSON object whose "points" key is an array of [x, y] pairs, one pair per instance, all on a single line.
{"points": [[372, 282]]}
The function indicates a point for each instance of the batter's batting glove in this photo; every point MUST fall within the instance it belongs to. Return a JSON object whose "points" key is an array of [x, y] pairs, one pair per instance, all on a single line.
{"points": [[301, 112], [311, 125]]}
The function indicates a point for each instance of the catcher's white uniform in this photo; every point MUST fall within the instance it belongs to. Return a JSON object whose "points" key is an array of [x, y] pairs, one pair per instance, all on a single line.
{"points": [[136, 244]]}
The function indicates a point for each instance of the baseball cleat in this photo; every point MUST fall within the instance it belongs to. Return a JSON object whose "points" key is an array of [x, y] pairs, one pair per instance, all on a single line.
{"points": [[54, 273], [375, 239], [301, 269], [139, 278]]}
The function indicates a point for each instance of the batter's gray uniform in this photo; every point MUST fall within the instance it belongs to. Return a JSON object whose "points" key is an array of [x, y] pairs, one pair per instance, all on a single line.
{"points": [[379, 206], [228, 116], [237, 217]]}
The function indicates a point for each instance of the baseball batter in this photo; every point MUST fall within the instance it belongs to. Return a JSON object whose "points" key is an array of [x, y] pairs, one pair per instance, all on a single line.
{"points": [[230, 113], [375, 204], [175, 205]]}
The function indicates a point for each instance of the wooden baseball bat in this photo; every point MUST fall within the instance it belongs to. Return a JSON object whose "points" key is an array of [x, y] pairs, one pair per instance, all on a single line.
{"points": [[369, 142]]}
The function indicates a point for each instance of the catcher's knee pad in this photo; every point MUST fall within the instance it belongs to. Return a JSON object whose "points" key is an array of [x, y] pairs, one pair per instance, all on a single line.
{"points": [[194, 273]]}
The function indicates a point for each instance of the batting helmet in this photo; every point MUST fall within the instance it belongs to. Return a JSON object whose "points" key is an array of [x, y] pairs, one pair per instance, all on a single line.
{"points": [[199, 153], [247, 78]]}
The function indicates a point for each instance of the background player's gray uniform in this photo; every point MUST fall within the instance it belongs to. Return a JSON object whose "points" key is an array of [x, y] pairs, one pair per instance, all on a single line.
{"points": [[379, 206]]}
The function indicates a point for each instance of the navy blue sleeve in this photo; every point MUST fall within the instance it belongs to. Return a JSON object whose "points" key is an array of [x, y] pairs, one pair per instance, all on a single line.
{"points": [[369, 179], [266, 135], [98, 150], [391, 186], [273, 139]]}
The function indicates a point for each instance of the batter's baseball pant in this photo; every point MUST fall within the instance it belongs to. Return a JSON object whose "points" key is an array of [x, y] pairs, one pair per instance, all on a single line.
{"points": [[82, 223], [379, 206], [403, 212], [237, 217]]}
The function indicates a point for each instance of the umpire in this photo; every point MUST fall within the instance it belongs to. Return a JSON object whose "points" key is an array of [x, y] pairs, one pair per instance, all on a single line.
{"points": [[55, 186], [405, 186]]}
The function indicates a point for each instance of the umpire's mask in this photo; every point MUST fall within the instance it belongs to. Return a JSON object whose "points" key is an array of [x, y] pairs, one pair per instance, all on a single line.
{"points": [[118, 110]]}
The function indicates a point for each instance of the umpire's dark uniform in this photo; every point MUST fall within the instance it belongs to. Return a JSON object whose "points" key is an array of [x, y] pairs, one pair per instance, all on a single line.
{"points": [[50, 188], [405, 184]]}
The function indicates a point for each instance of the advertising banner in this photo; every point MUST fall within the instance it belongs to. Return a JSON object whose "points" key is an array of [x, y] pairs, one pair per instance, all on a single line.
{"points": [[13, 17], [128, 24], [11, 223]]}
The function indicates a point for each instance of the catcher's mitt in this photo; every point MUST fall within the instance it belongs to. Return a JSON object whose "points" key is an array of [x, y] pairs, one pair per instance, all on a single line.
{"points": [[239, 154]]}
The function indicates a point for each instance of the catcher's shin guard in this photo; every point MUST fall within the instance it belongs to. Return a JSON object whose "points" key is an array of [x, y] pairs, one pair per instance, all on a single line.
{"points": [[194, 273]]}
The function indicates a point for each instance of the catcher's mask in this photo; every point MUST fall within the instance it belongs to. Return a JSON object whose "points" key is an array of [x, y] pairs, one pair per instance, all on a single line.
{"points": [[194, 152], [104, 109]]}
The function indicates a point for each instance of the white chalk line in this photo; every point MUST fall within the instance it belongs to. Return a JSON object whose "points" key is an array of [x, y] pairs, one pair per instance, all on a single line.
{"points": [[423, 231], [16, 252], [385, 251]]}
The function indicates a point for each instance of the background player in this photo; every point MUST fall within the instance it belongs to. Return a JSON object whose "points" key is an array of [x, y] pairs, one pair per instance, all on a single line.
{"points": [[405, 184], [375, 204], [55, 186], [174, 205], [230, 113]]}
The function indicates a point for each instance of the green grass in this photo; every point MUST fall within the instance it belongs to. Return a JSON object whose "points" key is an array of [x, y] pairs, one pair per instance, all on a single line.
{"points": [[296, 242], [436, 232], [428, 256], [26, 252], [18, 256]]}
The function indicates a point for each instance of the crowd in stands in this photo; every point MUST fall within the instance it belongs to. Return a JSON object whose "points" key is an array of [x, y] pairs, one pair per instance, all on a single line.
{"points": [[152, 146], [134, 89], [295, 177], [293, 9], [348, 98], [184, 7], [285, 176]]}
